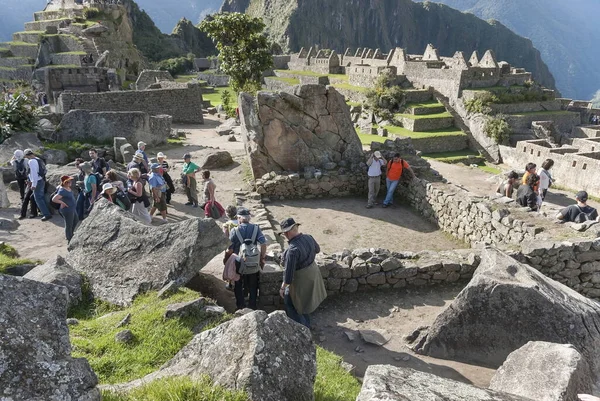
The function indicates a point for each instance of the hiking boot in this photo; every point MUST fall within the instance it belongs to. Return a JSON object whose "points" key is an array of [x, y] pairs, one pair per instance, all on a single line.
{"points": [[369, 206], [21, 217], [189, 203], [46, 218], [384, 206], [33, 217], [195, 205]]}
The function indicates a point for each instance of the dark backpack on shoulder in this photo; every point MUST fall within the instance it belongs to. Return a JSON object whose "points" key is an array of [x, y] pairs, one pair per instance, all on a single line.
{"points": [[20, 169], [582, 217], [42, 168]]}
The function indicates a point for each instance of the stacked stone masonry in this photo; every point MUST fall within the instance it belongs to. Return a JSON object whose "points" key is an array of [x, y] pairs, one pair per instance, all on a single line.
{"points": [[184, 105]]}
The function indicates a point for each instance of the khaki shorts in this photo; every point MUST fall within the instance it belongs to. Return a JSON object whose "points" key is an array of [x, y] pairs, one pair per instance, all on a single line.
{"points": [[162, 205]]}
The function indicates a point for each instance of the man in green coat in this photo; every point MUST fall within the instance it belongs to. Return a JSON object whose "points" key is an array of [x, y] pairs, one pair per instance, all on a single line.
{"points": [[303, 288]]}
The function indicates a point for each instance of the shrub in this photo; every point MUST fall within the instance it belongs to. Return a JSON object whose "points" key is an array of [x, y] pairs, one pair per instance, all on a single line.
{"points": [[226, 103], [477, 105], [17, 113], [177, 66], [386, 98], [498, 129], [91, 12]]}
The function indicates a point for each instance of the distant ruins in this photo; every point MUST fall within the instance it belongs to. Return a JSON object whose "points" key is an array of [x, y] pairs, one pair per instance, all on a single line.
{"points": [[544, 127]]}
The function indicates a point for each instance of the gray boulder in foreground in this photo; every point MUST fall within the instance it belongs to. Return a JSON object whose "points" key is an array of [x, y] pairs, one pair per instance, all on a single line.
{"points": [[544, 372], [390, 383], [506, 305], [57, 271], [35, 351], [122, 257], [270, 357]]}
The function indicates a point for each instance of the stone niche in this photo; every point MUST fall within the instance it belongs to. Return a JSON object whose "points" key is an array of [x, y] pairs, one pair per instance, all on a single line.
{"points": [[310, 127], [105, 125]]}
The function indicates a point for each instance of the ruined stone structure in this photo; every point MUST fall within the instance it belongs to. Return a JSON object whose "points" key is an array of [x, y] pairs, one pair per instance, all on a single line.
{"points": [[103, 126], [316, 61], [149, 77], [184, 105], [84, 79], [289, 132]]}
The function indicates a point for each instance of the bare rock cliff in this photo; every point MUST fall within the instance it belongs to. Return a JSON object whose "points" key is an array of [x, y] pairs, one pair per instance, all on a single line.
{"points": [[385, 24]]}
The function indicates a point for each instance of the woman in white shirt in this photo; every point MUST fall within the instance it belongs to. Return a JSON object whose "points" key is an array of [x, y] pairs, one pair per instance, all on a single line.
{"points": [[545, 177]]}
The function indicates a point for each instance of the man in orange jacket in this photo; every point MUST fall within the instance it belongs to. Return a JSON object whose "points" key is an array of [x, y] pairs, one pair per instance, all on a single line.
{"points": [[395, 167]]}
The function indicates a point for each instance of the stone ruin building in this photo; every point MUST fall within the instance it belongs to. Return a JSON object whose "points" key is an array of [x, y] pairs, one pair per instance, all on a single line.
{"points": [[553, 127]]}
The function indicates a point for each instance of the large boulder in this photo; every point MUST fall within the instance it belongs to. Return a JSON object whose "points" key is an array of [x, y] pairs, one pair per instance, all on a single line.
{"points": [[217, 160], [35, 357], [55, 156], [19, 140], [506, 305], [57, 271], [389, 383], [227, 128], [545, 372], [270, 357], [287, 132], [123, 257]]}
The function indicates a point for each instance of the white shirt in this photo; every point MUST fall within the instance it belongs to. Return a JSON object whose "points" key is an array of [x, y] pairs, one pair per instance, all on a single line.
{"points": [[375, 168], [545, 178], [34, 171]]}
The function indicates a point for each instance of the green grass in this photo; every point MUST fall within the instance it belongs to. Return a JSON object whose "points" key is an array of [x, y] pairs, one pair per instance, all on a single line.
{"points": [[72, 53], [215, 98], [8, 69], [352, 104], [400, 131], [366, 139], [177, 389], [175, 141], [63, 66], [9, 257], [289, 81], [425, 105], [447, 157], [425, 116], [350, 87], [300, 72], [541, 113], [156, 340], [495, 88], [333, 383], [489, 169], [18, 43], [185, 78], [343, 77], [32, 32]]}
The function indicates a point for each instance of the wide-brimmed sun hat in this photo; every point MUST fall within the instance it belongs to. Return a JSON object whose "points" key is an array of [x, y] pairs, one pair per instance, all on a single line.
{"points": [[161, 155], [287, 225], [108, 188]]}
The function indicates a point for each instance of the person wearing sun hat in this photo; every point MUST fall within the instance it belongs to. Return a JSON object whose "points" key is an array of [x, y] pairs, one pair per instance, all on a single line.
{"points": [[159, 189], [162, 160], [302, 289], [375, 163], [65, 198]]}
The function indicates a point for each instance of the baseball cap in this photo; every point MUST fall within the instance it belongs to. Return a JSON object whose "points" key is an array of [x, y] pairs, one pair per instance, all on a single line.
{"points": [[243, 212], [377, 154], [187, 156], [154, 166], [582, 196], [28, 152], [65, 178]]}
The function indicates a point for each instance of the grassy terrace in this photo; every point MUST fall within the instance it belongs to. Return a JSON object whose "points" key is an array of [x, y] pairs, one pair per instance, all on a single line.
{"points": [[495, 88], [185, 78], [449, 157], [9, 258], [64, 66], [433, 104], [424, 116], [541, 113], [17, 43], [78, 53], [215, 98], [290, 81], [8, 69], [400, 131]]}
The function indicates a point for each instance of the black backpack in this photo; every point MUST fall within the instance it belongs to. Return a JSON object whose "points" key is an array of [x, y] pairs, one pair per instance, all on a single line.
{"points": [[122, 200], [42, 167], [53, 204], [20, 169], [582, 217]]}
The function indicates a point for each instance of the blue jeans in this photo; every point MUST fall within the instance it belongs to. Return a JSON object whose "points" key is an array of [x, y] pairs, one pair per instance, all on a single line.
{"points": [[40, 198], [71, 220], [391, 187], [293, 314]]}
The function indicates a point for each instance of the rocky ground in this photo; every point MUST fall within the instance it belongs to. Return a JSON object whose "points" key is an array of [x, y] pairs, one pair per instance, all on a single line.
{"points": [[336, 224]]}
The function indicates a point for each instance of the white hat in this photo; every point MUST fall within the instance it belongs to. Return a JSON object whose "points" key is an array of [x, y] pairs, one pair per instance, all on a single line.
{"points": [[106, 187], [377, 154], [140, 144], [161, 155], [19, 154]]}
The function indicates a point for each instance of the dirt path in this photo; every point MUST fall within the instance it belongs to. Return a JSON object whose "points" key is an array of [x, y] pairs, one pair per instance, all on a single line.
{"points": [[346, 223], [399, 313]]}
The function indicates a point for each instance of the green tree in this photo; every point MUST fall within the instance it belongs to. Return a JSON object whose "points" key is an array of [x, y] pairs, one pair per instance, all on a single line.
{"points": [[244, 51], [17, 113], [386, 97]]}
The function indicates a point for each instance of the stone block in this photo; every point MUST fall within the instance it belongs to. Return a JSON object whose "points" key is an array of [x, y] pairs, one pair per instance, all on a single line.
{"points": [[376, 279]]}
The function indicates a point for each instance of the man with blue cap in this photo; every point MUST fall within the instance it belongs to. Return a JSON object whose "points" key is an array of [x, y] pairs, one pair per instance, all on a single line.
{"points": [[159, 190]]}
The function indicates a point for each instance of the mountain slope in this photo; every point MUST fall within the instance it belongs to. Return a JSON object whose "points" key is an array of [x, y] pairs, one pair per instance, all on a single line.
{"points": [[385, 24], [565, 32], [165, 14]]}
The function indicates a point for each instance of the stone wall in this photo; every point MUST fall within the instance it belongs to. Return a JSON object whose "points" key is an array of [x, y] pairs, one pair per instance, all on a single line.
{"points": [[273, 84], [149, 77], [333, 183], [563, 121], [549, 105], [281, 62], [470, 218], [184, 105], [103, 126], [214, 79], [84, 79], [370, 269], [426, 124], [287, 132], [441, 143], [575, 168]]}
